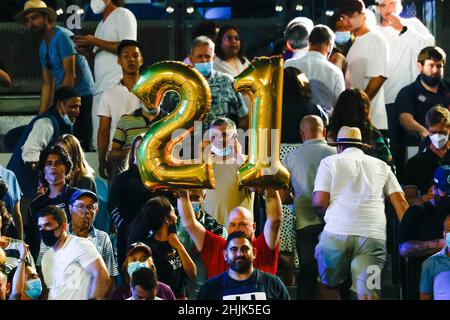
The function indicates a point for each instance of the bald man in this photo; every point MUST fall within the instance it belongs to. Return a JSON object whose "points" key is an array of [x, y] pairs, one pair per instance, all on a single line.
{"points": [[211, 246], [302, 163]]}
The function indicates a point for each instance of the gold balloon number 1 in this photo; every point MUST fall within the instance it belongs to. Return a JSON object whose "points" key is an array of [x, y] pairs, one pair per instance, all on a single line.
{"points": [[262, 81]]}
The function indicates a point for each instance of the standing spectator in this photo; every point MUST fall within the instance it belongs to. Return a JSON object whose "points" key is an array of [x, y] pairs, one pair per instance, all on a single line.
{"points": [[82, 175], [61, 65], [353, 110], [242, 281], [117, 24], [429, 89], [83, 210], [421, 229], [419, 170], [211, 246], [117, 101], [139, 256], [10, 194], [229, 58], [350, 190], [406, 37], [54, 167], [297, 104], [41, 132], [365, 70], [303, 163], [434, 281], [204, 28], [326, 80], [157, 225], [72, 268], [226, 158], [296, 34], [343, 42]]}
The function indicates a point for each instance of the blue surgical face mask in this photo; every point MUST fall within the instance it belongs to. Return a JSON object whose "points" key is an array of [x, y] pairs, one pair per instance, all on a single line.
{"points": [[196, 206], [34, 288], [204, 68], [133, 266], [342, 37], [447, 239], [67, 120], [221, 152]]}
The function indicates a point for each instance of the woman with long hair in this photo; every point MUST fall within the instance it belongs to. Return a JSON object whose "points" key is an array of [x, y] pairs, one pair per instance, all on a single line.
{"points": [[82, 175], [353, 109], [229, 52]]}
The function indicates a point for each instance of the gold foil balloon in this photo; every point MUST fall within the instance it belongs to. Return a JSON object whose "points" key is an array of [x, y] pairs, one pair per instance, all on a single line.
{"points": [[262, 81], [158, 168]]}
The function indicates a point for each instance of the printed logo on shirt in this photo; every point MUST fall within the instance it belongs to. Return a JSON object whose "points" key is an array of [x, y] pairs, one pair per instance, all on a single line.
{"points": [[247, 296], [422, 98]]}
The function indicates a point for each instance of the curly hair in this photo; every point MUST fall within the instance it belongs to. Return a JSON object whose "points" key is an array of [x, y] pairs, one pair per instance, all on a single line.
{"points": [[59, 151], [219, 39], [352, 109]]}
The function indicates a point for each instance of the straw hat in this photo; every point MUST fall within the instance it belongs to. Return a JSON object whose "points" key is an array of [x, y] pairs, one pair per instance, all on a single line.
{"points": [[35, 6], [349, 135]]}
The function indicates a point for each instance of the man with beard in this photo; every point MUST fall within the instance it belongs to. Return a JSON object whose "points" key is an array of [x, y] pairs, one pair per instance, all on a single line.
{"points": [[115, 102], [61, 65], [421, 230], [83, 210], [242, 281]]}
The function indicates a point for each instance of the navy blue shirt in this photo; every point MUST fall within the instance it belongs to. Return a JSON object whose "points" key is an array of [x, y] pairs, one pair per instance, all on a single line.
{"points": [[417, 100]]}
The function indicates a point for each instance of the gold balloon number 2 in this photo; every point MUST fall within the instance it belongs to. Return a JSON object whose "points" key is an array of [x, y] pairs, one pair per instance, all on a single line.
{"points": [[262, 81]]}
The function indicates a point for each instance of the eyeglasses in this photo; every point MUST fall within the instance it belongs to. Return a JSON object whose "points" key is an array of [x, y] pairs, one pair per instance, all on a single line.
{"points": [[231, 37], [89, 207]]}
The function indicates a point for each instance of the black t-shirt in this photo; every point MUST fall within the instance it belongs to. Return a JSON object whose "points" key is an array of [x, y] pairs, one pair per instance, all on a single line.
{"points": [[419, 170], [417, 100], [168, 266], [260, 286]]}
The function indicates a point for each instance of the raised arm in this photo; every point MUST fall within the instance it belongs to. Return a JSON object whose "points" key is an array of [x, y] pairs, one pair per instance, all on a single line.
{"points": [[274, 214], [195, 229]]}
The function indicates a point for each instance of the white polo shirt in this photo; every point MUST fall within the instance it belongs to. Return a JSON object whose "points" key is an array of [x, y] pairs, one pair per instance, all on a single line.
{"points": [[326, 80], [114, 103], [357, 184], [368, 58], [64, 270]]}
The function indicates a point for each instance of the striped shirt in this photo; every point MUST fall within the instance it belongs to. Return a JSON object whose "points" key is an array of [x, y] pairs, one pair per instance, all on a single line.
{"points": [[101, 241], [225, 102], [13, 255], [130, 126]]}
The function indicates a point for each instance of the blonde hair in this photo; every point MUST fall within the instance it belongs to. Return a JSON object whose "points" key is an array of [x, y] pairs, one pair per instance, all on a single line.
{"points": [[80, 167]]}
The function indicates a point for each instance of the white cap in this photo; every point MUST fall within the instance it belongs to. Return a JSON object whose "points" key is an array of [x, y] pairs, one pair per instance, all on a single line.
{"points": [[306, 22]]}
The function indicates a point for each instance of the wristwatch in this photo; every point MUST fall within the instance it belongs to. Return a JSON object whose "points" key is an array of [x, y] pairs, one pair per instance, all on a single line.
{"points": [[404, 29]]}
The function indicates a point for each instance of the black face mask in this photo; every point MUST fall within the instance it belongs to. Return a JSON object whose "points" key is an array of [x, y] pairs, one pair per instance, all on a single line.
{"points": [[48, 237], [172, 228], [430, 81]]}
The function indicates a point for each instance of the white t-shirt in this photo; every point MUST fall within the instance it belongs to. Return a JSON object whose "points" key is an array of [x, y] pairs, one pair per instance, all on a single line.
{"points": [[327, 80], [121, 24], [367, 58], [38, 139], [403, 52], [115, 102], [357, 184], [64, 272]]}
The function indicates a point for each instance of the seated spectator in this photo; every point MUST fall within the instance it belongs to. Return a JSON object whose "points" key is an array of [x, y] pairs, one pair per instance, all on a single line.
{"points": [[435, 281], [143, 285], [54, 168], [349, 191], [26, 284], [70, 260], [10, 246], [5, 287], [157, 227], [297, 104], [82, 175], [352, 109], [197, 198], [419, 170], [211, 246], [242, 281], [303, 163], [126, 198], [83, 210], [421, 230], [139, 256], [11, 194]]}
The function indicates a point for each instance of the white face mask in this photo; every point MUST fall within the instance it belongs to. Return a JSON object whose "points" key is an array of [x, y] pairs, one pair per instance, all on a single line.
{"points": [[221, 152], [98, 6], [439, 140]]}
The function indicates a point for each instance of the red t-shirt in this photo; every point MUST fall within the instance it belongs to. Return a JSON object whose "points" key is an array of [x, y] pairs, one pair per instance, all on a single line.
{"points": [[212, 255]]}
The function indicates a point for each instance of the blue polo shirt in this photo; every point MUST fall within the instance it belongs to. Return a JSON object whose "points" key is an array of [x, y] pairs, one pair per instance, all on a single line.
{"points": [[14, 194], [417, 100], [61, 47], [435, 278]]}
